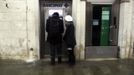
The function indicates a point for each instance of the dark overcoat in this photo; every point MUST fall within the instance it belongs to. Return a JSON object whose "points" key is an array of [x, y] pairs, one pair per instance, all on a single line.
{"points": [[58, 39], [69, 36]]}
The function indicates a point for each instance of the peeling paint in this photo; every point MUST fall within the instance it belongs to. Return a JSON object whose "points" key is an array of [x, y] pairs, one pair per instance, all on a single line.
{"points": [[21, 42], [14, 43], [22, 54], [13, 49], [79, 49], [7, 5]]}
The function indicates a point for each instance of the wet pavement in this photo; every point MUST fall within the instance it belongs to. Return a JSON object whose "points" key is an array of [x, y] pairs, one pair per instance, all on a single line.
{"points": [[111, 67]]}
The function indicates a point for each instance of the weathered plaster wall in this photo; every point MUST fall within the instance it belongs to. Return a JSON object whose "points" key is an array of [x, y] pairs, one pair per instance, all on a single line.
{"points": [[132, 33], [33, 23], [125, 28], [13, 35], [17, 28], [78, 12]]}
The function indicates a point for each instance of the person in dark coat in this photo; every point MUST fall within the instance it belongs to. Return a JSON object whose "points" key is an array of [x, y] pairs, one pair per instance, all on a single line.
{"points": [[69, 39], [55, 29]]}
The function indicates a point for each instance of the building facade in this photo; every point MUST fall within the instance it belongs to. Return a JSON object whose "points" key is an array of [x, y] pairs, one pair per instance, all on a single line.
{"points": [[22, 23]]}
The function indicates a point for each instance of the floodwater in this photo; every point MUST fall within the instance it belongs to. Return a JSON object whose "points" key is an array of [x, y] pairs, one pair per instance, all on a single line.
{"points": [[41, 67]]}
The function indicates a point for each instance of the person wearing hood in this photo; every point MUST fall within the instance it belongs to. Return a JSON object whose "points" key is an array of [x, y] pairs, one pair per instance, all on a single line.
{"points": [[69, 39], [55, 29]]}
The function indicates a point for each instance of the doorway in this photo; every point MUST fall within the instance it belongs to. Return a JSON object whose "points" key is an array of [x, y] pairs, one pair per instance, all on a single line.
{"points": [[47, 8], [102, 21], [100, 25], [48, 13]]}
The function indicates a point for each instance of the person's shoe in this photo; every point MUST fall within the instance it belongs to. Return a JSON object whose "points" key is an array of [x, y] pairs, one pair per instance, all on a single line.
{"points": [[72, 63], [59, 60], [71, 60], [52, 61]]}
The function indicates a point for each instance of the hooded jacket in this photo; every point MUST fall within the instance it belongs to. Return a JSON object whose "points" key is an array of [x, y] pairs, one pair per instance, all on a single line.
{"points": [[58, 39]]}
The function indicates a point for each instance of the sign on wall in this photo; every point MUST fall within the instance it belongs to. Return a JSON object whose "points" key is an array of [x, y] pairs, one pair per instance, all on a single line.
{"points": [[106, 1], [53, 5]]}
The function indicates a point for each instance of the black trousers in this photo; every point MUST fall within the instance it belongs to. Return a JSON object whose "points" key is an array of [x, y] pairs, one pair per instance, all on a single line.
{"points": [[56, 51], [71, 56]]}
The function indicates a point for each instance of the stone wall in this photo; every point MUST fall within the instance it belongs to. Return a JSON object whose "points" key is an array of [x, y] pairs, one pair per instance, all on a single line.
{"points": [[78, 13], [132, 28], [17, 28], [125, 28]]}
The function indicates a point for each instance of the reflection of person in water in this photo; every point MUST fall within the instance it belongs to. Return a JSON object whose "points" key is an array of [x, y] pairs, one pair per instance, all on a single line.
{"points": [[69, 39]]}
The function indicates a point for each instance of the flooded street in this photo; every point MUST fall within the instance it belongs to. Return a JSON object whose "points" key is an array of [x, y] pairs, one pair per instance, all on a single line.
{"points": [[112, 67]]}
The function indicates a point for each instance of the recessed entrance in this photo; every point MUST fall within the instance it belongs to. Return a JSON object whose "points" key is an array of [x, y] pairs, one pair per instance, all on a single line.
{"points": [[102, 21], [100, 25], [47, 8]]}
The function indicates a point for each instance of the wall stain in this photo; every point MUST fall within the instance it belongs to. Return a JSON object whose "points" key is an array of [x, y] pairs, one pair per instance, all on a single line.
{"points": [[21, 41], [7, 5]]}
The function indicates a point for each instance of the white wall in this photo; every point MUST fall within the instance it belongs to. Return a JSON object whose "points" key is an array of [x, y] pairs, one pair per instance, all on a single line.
{"points": [[13, 35], [33, 24], [79, 20], [125, 28], [18, 28], [132, 28]]}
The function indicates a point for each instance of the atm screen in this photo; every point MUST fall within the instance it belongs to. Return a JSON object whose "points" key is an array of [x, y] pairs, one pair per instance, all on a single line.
{"points": [[53, 10]]}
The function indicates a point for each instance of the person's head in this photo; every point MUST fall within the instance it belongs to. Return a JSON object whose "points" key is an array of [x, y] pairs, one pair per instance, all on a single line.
{"points": [[55, 14], [68, 18]]}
